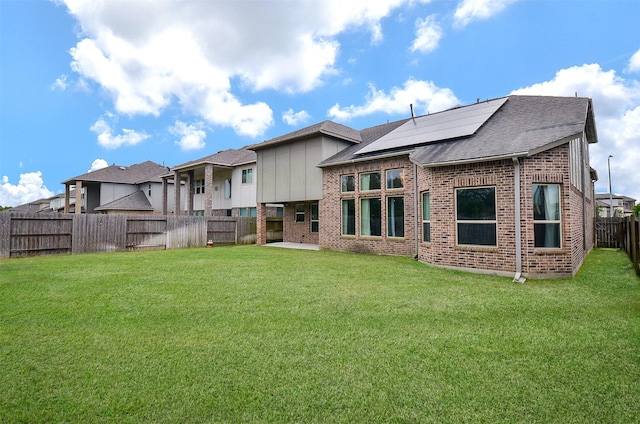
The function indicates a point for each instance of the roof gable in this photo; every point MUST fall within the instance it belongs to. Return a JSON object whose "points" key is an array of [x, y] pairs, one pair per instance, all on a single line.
{"points": [[136, 201], [329, 128], [227, 158], [135, 174]]}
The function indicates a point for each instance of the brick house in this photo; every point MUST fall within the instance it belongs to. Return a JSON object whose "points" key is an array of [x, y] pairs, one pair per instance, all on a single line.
{"points": [[502, 186]]}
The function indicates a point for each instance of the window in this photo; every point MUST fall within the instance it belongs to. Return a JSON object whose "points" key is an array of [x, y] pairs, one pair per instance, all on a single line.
{"points": [[253, 212], [348, 217], [426, 217], [348, 183], [300, 212], [546, 215], [149, 190], [199, 186], [243, 212], [227, 188], [395, 178], [395, 216], [370, 181], [370, 217], [315, 221], [476, 216], [247, 176]]}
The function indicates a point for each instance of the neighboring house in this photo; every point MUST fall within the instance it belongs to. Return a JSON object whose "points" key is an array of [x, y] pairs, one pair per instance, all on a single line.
{"points": [[37, 206], [135, 189], [622, 205], [221, 184], [502, 186]]}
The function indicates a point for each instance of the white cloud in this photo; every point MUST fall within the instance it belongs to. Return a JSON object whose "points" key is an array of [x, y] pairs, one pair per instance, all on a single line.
{"points": [[107, 140], [295, 118], [616, 103], [30, 188], [98, 164], [60, 83], [425, 96], [150, 54], [634, 62], [191, 135], [471, 10], [428, 35]]}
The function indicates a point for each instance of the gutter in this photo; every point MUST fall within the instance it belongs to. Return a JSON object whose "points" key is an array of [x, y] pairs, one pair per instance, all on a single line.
{"points": [[517, 278], [366, 159], [415, 209]]}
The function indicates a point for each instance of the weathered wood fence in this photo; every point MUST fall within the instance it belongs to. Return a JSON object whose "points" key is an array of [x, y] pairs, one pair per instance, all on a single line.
{"points": [[45, 234], [623, 233]]}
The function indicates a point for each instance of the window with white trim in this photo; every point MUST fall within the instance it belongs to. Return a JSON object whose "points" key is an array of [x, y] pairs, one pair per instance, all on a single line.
{"points": [[300, 212], [347, 183], [370, 181], [348, 215], [476, 221], [395, 216], [371, 217], [426, 217], [315, 218], [395, 179], [247, 176], [546, 216], [199, 186]]}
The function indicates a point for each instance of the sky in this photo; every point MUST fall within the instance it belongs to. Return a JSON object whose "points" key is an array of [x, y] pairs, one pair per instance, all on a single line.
{"points": [[89, 83]]}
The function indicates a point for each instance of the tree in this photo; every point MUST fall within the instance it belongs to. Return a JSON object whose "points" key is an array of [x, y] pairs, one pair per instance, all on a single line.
{"points": [[4, 208], [636, 210]]}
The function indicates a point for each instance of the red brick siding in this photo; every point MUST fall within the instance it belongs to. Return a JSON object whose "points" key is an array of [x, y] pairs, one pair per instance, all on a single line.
{"points": [[330, 209], [299, 232]]}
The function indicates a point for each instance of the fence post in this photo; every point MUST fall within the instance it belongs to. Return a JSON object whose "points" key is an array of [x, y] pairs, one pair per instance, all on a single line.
{"points": [[5, 234], [633, 226]]}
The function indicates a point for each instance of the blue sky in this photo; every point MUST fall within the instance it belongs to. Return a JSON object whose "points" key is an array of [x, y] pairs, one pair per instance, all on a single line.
{"points": [[85, 83]]}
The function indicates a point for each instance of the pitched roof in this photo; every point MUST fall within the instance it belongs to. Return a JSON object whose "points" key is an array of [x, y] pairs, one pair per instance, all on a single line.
{"points": [[368, 135], [136, 201], [520, 126], [135, 174], [524, 126], [329, 128], [225, 158]]}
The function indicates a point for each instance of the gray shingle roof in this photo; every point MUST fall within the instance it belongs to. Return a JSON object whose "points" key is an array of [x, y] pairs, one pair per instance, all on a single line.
{"points": [[523, 126], [228, 158], [136, 201], [135, 174], [368, 135], [329, 128]]}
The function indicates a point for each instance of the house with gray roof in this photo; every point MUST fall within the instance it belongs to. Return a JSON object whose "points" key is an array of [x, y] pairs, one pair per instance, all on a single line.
{"points": [[117, 189], [501, 186], [220, 184]]}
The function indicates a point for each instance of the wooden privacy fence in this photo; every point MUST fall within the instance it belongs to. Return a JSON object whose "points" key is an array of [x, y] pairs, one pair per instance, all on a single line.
{"points": [[623, 233], [45, 234]]}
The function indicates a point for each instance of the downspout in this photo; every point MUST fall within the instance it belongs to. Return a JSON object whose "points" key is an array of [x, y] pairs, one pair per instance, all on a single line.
{"points": [[415, 209], [584, 195], [518, 225]]}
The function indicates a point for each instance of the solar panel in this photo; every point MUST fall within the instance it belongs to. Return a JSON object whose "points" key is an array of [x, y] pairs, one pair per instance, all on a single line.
{"points": [[452, 123]]}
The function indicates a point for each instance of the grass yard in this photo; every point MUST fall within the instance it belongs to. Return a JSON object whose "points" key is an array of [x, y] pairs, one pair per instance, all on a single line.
{"points": [[256, 334]]}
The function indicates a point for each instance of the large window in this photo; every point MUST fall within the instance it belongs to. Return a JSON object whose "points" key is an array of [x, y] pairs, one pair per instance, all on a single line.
{"points": [[546, 215], [300, 212], [476, 216], [348, 217], [395, 216], [426, 217], [348, 183], [247, 176], [370, 181], [395, 178], [370, 217], [315, 218]]}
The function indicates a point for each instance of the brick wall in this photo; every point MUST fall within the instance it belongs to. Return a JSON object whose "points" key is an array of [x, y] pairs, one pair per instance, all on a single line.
{"points": [[298, 232], [330, 209]]}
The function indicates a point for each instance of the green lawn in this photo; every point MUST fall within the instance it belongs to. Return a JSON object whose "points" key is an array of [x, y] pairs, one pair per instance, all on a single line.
{"points": [[256, 334]]}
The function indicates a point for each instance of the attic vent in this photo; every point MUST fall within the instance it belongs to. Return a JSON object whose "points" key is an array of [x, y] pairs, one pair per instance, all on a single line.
{"points": [[122, 167]]}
